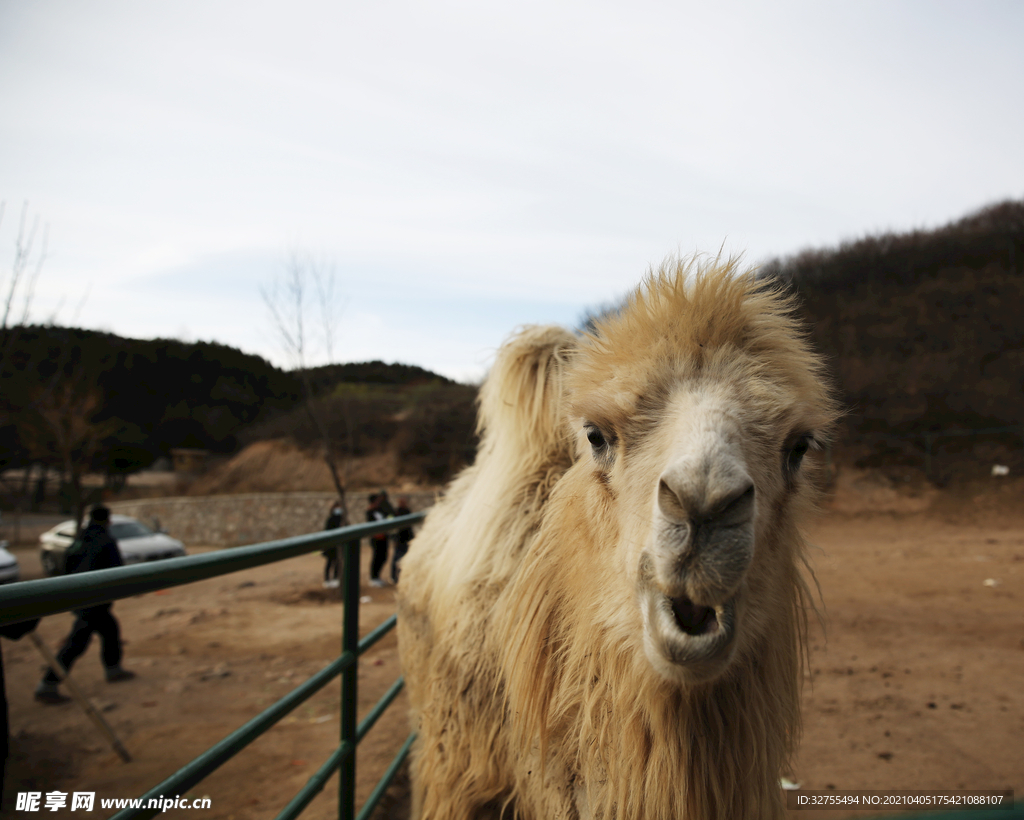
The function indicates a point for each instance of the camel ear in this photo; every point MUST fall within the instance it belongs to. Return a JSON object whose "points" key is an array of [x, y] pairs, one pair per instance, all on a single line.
{"points": [[521, 399]]}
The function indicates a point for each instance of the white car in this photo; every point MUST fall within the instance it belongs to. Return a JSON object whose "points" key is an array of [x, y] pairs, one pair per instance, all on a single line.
{"points": [[9, 572], [135, 540]]}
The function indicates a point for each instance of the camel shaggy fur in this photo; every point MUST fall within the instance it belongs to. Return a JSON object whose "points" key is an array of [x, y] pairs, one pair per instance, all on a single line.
{"points": [[605, 615]]}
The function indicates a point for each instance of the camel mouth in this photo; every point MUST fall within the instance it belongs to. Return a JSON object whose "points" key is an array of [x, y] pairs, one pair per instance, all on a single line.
{"points": [[692, 618], [685, 640], [691, 632], [688, 641]]}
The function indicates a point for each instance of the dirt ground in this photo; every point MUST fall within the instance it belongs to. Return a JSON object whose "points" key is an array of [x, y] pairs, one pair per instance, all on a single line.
{"points": [[916, 683]]}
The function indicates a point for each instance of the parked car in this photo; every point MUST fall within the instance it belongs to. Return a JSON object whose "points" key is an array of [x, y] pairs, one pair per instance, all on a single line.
{"points": [[9, 571], [135, 540]]}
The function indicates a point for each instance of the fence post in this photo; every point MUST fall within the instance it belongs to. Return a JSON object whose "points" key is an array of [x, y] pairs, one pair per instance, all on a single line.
{"points": [[349, 643]]}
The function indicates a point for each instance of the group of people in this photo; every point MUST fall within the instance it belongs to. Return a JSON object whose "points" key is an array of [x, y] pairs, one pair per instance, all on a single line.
{"points": [[378, 508]]}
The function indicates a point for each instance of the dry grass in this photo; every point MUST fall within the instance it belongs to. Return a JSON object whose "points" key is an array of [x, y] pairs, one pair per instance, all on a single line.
{"points": [[279, 465]]}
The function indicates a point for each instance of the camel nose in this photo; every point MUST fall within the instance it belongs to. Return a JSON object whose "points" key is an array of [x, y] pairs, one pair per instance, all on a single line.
{"points": [[704, 541], [717, 492]]}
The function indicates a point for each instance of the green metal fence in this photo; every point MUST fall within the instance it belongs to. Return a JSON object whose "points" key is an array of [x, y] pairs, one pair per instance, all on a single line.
{"points": [[31, 599]]}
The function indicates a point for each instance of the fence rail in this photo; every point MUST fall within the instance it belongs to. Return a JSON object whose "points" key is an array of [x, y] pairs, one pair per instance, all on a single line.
{"points": [[48, 596]]}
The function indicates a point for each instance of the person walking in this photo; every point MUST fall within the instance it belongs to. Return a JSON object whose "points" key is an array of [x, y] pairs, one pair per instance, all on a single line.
{"points": [[335, 519], [93, 549]]}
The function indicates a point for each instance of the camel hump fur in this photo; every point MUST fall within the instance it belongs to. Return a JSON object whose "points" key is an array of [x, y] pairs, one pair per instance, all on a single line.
{"points": [[605, 616]]}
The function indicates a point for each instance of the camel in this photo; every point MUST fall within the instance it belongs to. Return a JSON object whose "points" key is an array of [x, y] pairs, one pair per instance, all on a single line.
{"points": [[605, 616]]}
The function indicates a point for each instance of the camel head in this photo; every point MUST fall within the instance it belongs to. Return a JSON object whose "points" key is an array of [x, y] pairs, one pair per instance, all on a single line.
{"points": [[695, 408]]}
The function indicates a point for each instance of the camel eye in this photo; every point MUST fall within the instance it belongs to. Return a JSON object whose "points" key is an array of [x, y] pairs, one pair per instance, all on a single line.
{"points": [[598, 440], [795, 452]]}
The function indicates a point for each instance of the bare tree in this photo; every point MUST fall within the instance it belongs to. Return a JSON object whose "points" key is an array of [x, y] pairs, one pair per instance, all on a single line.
{"points": [[55, 419], [306, 323], [49, 398], [20, 284], [63, 431]]}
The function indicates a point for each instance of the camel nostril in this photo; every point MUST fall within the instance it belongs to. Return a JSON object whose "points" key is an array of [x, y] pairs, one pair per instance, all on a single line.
{"points": [[738, 505], [670, 505]]}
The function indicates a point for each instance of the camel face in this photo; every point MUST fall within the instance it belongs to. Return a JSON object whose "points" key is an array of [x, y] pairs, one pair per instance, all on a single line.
{"points": [[695, 446], [701, 484]]}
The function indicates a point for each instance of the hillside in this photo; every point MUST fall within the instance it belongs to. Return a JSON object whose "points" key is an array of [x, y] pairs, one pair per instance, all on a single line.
{"points": [[421, 432], [133, 399], [80, 403], [924, 336]]}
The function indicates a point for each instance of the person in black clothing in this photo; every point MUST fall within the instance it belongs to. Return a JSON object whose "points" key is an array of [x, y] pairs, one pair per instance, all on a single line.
{"points": [[334, 520], [93, 549], [378, 508], [402, 539]]}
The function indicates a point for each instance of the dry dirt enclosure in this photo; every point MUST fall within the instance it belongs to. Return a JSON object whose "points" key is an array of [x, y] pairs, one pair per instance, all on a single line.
{"points": [[916, 686]]}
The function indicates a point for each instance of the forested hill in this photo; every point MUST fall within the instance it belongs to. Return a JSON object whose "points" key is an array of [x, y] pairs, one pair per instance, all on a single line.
{"points": [[924, 329], [121, 403], [327, 377], [128, 401]]}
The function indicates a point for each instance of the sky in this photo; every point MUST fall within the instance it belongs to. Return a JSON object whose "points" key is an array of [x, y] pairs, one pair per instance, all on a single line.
{"points": [[465, 168]]}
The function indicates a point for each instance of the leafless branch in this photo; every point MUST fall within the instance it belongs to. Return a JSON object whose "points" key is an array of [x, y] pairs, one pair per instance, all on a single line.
{"points": [[323, 278], [26, 262], [287, 304]]}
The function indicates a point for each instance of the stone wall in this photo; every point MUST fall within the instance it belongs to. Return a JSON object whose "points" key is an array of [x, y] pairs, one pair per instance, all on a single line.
{"points": [[233, 520]]}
